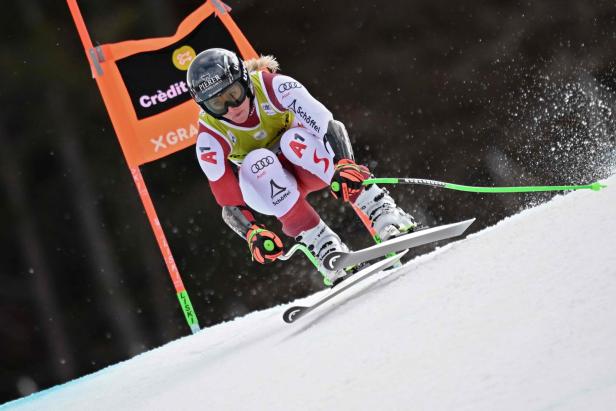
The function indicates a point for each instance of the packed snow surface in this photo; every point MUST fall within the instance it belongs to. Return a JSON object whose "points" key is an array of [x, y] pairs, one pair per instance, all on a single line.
{"points": [[520, 316]]}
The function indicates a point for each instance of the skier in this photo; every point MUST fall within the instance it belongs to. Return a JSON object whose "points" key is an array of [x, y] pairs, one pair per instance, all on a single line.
{"points": [[284, 144]]}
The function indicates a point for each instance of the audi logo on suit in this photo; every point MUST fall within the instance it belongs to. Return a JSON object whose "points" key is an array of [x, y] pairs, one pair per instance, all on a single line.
{"points": [[261, 164], [288, 86]]}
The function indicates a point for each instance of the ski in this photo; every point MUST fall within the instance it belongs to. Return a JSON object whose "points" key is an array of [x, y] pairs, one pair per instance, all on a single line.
{"points": [[296, 312], [338, 260]]}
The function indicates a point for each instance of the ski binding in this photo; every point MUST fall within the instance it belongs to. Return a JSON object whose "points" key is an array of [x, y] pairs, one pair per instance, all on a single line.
{"points": [[338, 260]]}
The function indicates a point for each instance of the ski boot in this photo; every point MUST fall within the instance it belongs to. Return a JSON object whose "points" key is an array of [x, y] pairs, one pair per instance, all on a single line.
{"points": [[388, 220], [321, 241]]}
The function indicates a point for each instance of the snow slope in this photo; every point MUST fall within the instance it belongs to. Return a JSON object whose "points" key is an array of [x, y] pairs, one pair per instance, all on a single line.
{"points": [[521, 316]]}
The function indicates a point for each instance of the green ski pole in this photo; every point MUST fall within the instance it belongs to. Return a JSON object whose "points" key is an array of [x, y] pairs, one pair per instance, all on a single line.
{"points": [[596, 186]]}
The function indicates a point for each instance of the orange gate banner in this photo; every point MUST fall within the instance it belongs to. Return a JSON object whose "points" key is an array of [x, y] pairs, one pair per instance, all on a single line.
{"points": [[143, 82]]}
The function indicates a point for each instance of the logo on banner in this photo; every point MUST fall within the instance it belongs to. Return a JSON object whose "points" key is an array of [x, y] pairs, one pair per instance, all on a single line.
{"points": [[162, 96], [172, 137], [182, 57]]}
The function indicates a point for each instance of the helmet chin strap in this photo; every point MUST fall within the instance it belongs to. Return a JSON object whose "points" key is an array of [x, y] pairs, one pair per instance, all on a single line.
{"points": [[252, 105], [250, 94]]}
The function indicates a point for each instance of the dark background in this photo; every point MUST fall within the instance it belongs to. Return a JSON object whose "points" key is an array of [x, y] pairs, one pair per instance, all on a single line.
{"points": [[471, 92]]}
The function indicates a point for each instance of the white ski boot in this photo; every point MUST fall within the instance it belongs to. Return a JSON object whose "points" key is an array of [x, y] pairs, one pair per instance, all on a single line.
{"points": [[387, 218], [321, 241]]}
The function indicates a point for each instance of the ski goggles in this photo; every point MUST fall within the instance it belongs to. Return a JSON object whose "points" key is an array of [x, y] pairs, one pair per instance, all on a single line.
{"points": [[232, 96]]}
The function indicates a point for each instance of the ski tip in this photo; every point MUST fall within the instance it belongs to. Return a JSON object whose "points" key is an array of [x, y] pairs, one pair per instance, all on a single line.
{"points": [[460, 226], [470, 221], [399, 255], [457, 228], [293, 314]]}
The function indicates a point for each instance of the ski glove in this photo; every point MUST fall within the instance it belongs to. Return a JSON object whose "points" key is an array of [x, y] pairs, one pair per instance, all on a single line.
{"points": [[347, 180], [265, 246]]}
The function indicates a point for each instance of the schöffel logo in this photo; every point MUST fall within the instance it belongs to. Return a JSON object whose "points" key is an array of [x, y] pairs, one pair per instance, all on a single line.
{"points": [[261, 164], [305, 118], [277, 190], [288, 86]]}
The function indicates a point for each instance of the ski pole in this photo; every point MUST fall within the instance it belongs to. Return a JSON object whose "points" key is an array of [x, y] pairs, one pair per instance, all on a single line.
{"points": [[309, 255], [596, 186]]}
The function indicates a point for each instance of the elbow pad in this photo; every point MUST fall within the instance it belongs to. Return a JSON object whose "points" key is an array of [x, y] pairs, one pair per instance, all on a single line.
{"points": [[339, 141], [237, 221]]}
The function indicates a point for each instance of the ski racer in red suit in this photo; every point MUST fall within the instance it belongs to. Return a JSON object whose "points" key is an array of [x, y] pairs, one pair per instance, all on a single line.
{"points": [[264, 143]]}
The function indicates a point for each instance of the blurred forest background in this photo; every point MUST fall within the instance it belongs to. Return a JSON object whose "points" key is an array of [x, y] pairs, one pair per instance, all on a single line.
{"points": [[474, 92]]}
